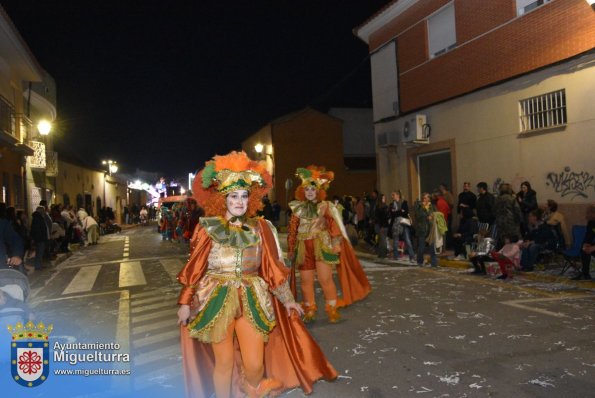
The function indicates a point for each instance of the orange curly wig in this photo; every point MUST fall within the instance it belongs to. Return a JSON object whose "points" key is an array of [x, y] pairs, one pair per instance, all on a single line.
{"points": [[213, 201], [314, 175]]}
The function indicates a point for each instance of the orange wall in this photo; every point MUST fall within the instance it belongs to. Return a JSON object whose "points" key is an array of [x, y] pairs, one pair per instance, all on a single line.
{"points": [[554, 32]]}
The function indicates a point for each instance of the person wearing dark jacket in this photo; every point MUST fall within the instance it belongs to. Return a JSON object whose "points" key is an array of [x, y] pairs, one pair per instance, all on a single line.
{"points": [[464, 236], [400, 226], [527, 200], [485, 204], [539, 238], [588, 247], [11, 246], [467, 199], [381, 219], [40, 235]]}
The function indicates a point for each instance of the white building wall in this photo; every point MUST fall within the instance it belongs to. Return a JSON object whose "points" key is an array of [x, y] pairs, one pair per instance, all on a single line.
{"points": [[358, 130], [489, 146]]}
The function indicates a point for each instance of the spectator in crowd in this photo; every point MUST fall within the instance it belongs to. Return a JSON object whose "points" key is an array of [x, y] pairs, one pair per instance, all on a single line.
{"points": [[507, 214], [424, 214], [360, 213], [276, 213], [538, 238], [441, 204], [467, 199], [348, 212], [527, 199], [21, 227], [267, 209], [11, 244], [449, 198], [40, 235], [381, 219], [91, 229], [371, 202], [481, 253], [68, 220], [126, 215], [554, 218], [400, 225], [464, 235], [510, 253], [50, 244], [588, 247], [447, 195], [485, 204], [81, 214]]}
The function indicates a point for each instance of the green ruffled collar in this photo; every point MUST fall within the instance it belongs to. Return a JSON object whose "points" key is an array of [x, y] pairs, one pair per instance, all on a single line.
{"points": [[221, 232], [304, 209]]}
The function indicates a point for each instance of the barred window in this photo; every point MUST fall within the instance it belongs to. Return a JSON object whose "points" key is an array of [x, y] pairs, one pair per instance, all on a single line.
{"points": [[543, 111]]}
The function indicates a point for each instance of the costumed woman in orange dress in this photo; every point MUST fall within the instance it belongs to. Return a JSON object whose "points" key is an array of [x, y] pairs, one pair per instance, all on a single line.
{"points": [[317, 240], [240, 325]]}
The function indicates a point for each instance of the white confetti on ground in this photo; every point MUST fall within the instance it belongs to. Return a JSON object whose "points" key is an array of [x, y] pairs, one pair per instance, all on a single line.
{"points": [[423, 390], [460, 337], [432, 363], [542, 383], [475, 385], [451, 380], [588, 364], [363, 388], [518, 336], [430, 345]]}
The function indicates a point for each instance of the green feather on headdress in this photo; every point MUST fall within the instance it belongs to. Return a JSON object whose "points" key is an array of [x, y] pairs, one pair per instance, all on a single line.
{"points": [[303, 173], [208, 175]]}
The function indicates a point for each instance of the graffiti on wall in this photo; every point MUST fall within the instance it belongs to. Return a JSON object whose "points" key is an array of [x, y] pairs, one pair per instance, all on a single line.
{"points": [[571, 183]]}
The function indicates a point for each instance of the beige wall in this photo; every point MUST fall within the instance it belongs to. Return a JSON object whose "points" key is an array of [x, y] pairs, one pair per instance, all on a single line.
{"points": [[308, 137], [487, 145], [74, 180]]}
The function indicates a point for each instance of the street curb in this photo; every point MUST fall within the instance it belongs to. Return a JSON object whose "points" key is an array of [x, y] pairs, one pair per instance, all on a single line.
{"points": [[527, 275], [60, 258]]}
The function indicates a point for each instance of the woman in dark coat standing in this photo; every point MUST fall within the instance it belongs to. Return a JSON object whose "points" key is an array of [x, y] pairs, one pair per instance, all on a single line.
{"points": [[527, 200], [39, 235]]}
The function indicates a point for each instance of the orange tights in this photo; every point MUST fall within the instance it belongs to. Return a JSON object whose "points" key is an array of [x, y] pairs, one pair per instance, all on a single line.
{"points": [[252, 349], [324, 272]]}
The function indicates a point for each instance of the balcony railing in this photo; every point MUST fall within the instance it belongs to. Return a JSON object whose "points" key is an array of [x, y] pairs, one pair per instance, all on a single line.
{"points": [[7, 121]]}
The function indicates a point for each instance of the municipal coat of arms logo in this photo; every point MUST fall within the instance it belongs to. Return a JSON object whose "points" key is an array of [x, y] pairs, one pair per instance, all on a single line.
{"points": [[30, 353]]}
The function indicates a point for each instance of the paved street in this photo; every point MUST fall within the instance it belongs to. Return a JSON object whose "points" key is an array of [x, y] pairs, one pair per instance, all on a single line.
{"points": [[422, 332]]}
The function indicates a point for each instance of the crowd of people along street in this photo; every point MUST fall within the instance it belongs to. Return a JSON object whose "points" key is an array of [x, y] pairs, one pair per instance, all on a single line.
{"points": [[30, 245], [507, 228]]}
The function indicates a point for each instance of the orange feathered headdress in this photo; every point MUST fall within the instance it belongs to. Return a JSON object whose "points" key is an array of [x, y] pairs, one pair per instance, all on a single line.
{"points": [[227, 173], [315, 175]]}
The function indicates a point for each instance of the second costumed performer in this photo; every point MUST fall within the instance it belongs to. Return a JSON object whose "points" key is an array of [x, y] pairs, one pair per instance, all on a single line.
{"points": [[317, 241], [240, 325]]}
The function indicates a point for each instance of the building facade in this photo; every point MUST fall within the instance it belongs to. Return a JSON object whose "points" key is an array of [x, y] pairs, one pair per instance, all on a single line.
{"points": [[300, 139], [27, 96], [497, 91], [91, 189]]}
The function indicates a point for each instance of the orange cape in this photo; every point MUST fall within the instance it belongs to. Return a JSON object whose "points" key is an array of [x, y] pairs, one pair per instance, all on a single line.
{"points": [[291, 354]]}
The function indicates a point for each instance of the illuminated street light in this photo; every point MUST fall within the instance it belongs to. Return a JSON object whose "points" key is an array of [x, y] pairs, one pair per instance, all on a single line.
{"points": [[258, 148], [44, 127], [112, 166]]}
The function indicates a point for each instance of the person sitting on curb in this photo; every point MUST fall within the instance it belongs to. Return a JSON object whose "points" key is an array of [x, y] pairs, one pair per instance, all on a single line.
{"points": [[588, 248], [539, 237], [479, 257], [510, 254]]}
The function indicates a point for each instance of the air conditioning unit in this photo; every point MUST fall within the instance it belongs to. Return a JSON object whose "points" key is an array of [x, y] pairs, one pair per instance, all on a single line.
{"points": [[388, 138], [416, 130]]}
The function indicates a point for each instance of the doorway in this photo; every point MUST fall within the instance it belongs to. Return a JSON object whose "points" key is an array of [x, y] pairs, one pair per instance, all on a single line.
{"points": [[434, 168]]}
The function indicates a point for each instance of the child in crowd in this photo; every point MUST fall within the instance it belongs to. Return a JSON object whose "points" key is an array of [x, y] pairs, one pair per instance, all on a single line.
{"points": [[509, 256]]}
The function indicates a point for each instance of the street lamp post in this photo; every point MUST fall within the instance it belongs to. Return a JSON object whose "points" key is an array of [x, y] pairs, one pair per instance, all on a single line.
{"points": [[112, 167]]}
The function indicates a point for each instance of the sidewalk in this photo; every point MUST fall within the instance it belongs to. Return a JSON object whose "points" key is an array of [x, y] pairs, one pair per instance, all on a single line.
{"points": [[546, 273]]}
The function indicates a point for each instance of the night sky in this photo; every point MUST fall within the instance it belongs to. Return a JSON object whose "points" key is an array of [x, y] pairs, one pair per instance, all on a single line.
{"points": [[164, 85]]}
